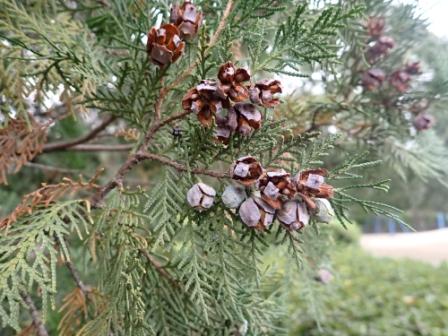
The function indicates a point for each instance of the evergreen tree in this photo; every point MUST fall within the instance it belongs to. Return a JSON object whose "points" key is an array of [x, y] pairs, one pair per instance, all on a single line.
{"points": [[191, 91], [381, 95]]}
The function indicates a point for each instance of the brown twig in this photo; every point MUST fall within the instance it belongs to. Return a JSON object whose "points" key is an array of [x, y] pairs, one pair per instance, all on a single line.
{"points": [[75, 275], [141, 153], [46, 195], [212, 42], [221, 25], [39, 326], [180, 167], [55, 146], [133, 159], [159, 267], [158, 125], [101, 148], [52, 169], [117, 180], [138, 157]]}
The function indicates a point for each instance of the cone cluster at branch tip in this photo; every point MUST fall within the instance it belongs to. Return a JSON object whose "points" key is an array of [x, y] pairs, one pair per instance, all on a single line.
{"points": [[166, 44], [380, 44], [375, 26], [264, 195], [398, 80], [231, 101]]}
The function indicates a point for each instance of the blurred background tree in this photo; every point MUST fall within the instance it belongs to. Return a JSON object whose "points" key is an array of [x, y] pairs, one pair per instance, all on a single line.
{"points": [[387, 95]]}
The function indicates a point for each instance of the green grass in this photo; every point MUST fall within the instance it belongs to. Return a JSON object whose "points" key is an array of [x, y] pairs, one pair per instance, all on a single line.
{"points": [[373, 297]]}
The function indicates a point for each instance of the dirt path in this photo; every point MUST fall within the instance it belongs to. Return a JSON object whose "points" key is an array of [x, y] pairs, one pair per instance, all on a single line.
{"points": [[429, 246]]}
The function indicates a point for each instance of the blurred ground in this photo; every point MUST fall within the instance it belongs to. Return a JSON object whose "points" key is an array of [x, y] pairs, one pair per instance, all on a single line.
{"points": [[429, 246]]}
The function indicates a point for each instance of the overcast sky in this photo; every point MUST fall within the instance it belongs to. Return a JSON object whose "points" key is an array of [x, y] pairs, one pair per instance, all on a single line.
{"points": [[436, 11]]}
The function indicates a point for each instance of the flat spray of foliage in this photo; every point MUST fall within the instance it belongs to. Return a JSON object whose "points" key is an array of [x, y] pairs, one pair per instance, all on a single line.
{"points": [[379, 114]]}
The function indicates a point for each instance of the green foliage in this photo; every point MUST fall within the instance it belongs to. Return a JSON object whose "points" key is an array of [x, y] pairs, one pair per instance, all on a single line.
{"points": [[164, 207], [121, 269], [370, 296], [348, 171], [425, 156], [380, 119], [52, 54], [303, 37], [29, 253]]}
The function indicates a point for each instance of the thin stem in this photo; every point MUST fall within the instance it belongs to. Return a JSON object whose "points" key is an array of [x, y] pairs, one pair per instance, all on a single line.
{"points": [[75, 275], [141, 154], [159, 267], [100, 148], [39, 326], [180, 167], [213, 40], [133, 159], [51, 147], [51, 169], [158, 125]]}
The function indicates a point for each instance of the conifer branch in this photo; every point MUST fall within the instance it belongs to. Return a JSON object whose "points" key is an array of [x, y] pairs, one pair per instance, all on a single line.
{"points": [[157, 124], [100, 148], [134, 159], [37, 321], [180, 167], [52, 169], [212, 42], [159, 267], [51, 147], [140, 156], [75, 275]]}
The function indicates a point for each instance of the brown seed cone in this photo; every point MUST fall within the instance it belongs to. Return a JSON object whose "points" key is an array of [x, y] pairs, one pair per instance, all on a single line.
{"points": [[380, 48], [246, 170], [201, 196], [256, 213], [275, 185], [186, 18], [226, 125], [293, 215], [423, 121], [205, 100], [164, 45], [232, 80], [375, 26], [400, 80], [262, 93], [373, 78], [311, 183], [413, 68], [248, 118]]}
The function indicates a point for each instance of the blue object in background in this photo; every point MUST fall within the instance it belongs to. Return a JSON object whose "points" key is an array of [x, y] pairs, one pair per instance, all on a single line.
{"points": [[440, 220], [392, 226]]}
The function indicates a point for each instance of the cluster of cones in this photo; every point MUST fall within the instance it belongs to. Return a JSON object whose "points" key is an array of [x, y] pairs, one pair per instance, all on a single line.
{"points": [[380, 44], [380, 47], [231, 102], [399, 79], [166, 44], [264, 195]]}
